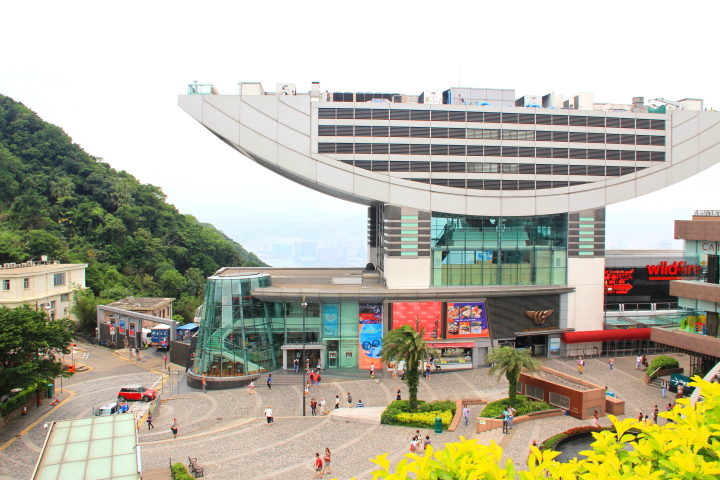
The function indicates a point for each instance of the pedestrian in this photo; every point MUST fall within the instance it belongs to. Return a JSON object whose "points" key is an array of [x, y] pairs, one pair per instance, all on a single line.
{"points": [[149, 421], [413, 445], [668, 409], [204, 384], [466, 414], [349, 400], [319, 367], [656, 413], [581, 364], [394, 372], [307, 389], [322, 407], [268, 415], [638, 362], [317, 379], [402, 374], [505, 415], [337, 402], [640, 417], [372, 370], [313, 406], [427, 372], [426, 442], [417, 437], [131, 351], [360, 403], [647, 421], [397, 396], [296, 364], [663, 387], [680, 391], [269, 381], [596, 420], [511, 416], [251, 387], [137, 352], [644, 363], [533, 444], [307, 364], [174, 427], [312, 377], [326, 459], [318, 466], [612, 364]]}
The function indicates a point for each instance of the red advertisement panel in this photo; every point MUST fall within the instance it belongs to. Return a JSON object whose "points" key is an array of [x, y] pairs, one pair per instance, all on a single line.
{"points": [[427, 315]]}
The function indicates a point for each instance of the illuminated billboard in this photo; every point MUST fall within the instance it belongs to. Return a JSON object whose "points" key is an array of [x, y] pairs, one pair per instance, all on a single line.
{"points": [[419, 315], [466, 320], [370, 334]]}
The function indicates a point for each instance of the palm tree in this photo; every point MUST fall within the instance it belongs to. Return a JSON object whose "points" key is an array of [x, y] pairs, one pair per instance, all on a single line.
{"points": [[404, 343], [510, 362]]}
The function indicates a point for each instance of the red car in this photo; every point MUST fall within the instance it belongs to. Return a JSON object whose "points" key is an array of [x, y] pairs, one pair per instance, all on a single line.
{"points": [[136, 392]]}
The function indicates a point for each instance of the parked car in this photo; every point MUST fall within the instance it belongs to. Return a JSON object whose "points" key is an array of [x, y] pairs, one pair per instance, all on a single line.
{"points": [[136, 392], [107, 409]]}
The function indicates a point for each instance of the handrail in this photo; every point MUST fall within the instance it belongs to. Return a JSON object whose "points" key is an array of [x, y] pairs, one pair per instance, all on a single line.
{"points": [[653, 373]]}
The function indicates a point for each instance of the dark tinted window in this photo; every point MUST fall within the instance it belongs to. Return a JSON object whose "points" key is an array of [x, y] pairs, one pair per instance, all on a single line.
{"points": [[456, 116], [399, 115], [509, 118], [492, 117], [380, 114], [627, 123], [527, 119], [439, 116], [438, 149], [541, 136], [578, 121], [611, 122], [543, 119], [420, 149], [475, 117], [420, 115], [560, 119], [560, 136]]}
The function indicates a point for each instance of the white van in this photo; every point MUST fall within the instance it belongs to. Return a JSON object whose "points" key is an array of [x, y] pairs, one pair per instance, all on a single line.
{"points": [[146, 337]]}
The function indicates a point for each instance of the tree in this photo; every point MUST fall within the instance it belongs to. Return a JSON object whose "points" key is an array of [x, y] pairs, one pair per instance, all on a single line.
{"points": [[29, 342], [404, 343], [84, 308], [510, 362], [687, 448]]}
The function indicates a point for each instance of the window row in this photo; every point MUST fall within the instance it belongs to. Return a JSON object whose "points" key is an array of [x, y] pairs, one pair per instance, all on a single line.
{"points": [[484, 184], [488, 151], [490, 117], [488, 134], [505, 168]]}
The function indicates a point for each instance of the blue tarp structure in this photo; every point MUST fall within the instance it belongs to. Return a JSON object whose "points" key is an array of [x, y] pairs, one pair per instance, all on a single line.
{"points": [[188, 327]]}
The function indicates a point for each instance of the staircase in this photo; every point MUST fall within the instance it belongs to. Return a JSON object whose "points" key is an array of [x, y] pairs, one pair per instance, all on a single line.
{"points": [[214, 346]]}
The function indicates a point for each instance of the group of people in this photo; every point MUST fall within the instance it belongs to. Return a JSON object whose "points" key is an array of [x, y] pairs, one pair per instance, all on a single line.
{"points": [[507, 417], [641, 362], [417, 444], [322, 464], [314, 406], [656, 412]]}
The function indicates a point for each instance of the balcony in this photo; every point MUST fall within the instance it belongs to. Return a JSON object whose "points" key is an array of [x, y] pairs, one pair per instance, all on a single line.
{"points": [[707, 292]]}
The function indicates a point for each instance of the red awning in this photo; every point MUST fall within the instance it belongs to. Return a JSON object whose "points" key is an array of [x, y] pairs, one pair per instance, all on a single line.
{"points": [[452, 345], [606, 335]]}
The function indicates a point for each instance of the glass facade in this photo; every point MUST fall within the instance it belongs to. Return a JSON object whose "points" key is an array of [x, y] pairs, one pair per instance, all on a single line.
{"points": [[477, 250]]}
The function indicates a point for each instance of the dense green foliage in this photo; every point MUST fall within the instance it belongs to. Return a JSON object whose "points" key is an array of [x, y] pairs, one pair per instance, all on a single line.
{"points": [[179, 472], [510, 362], [406, 344], [57, 200], [523, 405], [21, 398], [29, 345], [396, 413], [663, 363]]}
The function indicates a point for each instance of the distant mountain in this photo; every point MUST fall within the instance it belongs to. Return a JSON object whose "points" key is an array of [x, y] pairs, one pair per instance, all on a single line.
{"points": [[57, 200]]}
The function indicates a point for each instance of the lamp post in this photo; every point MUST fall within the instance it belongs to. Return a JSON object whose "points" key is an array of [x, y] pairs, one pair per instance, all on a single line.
{"points": [[304, 308]]}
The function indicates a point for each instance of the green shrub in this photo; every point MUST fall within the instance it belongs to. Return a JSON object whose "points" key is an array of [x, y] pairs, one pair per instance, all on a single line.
{"points": [[439, 406], [13, 403], [523, 406], [663, 362], [425, 419], [179, 472]]}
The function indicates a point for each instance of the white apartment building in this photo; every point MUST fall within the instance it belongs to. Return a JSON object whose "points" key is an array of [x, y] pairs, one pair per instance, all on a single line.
{"points": [[45, 285]]}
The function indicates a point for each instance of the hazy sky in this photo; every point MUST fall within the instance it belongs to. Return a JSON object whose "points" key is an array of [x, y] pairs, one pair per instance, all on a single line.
{"points": [[109, 73]]}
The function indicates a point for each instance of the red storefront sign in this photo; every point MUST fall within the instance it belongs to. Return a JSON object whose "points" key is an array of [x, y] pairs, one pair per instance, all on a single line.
{"points": [[673, 271], [618, 282]]}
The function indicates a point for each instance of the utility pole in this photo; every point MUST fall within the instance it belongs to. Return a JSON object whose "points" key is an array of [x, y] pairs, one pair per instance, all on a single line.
{"points": [[304, 308]]}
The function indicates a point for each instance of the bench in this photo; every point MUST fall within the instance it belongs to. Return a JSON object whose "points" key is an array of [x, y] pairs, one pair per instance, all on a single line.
{"points": [[195, 467]]}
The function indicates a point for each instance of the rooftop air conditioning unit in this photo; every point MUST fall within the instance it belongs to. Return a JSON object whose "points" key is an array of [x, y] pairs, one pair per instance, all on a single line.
{"points": [[43, 258], [13, 265], [6, 265]]}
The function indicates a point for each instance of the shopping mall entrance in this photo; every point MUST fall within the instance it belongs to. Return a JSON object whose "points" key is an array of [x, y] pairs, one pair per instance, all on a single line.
{"points": [[313, 353]]}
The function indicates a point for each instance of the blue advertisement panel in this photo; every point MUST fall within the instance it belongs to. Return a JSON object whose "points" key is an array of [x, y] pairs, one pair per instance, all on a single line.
{"points": [[370, 334], [330, 320]]}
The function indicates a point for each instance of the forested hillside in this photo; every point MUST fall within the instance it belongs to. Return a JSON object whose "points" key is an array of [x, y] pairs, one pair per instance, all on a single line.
{"points": [[57, 200]]}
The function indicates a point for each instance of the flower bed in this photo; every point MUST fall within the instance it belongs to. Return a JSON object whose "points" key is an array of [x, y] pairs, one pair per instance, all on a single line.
{"points": [[398, 413]]}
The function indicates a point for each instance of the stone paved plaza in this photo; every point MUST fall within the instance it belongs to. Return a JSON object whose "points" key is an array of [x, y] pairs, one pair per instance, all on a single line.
{"points": [[223, 429]]}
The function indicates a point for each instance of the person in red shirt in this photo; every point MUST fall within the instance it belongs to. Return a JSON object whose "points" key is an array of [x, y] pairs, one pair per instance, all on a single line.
{"points": [[318, 466]]}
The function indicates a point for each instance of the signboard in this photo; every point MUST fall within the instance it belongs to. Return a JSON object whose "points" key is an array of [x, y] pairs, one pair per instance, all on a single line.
{"points": [[618, 282], [122, 327], [370, 334], [677, 379], [707, 213], [466, 320], [674, 271], [554, 346], [419, 315], [132, 329], [330, 320]]}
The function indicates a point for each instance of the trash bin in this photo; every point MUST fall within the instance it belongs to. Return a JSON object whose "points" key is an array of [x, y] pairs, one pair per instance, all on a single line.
{"points": [[71, 368], [50, 390], [438, 425]]}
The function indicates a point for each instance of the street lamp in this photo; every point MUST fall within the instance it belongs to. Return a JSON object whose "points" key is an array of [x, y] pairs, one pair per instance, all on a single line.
{"points": [[304, 308]]}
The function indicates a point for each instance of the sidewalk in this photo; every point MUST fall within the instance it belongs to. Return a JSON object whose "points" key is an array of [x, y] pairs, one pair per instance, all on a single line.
{"points": [[18, 427]]}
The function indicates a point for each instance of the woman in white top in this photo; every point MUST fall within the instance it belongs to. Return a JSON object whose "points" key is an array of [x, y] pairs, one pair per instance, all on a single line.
{"points": [[251, 387]]}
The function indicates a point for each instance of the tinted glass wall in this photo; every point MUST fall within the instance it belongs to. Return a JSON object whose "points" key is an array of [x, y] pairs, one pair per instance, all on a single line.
{"points": [[235, 336], [474, 250]]}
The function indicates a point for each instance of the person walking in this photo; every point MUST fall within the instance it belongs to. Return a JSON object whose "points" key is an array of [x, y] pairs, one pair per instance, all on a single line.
{"points": [[640, 417], [149, 421], [611, 362], [174, 427], [656, 413], [397, 396], [319, 367], [322, 407], [337, 402], [638, 362], [644, 363], [349, 400], [372, 370], [505, 421], [269, 415], [296, 364], [318, 466], [663, 387], [668, 409], [317, 379], [204, 384], [311, 376], [137, 353], [427, 371], [596, 419], [581, 364], [269, 381], [326, 460], [313, 406], [466, 414], [360, 403], [511, 416], [426, 442], [680, 391], [251, 387], [307, 389]]}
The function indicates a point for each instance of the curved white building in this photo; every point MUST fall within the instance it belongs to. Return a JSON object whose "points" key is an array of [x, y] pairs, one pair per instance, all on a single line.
{"points": [[473, 189]]}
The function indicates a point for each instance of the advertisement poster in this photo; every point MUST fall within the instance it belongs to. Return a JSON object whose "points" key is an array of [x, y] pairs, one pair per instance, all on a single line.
{"points": [[370, 334], [132, 329], [427, 315], [122, 327], [330, 320], [466, 320], [554, 346]]}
